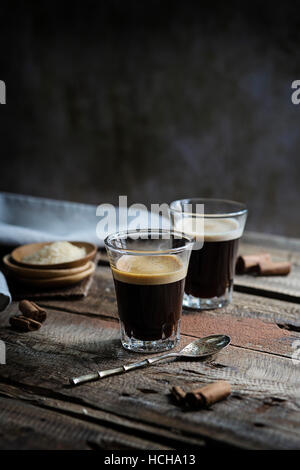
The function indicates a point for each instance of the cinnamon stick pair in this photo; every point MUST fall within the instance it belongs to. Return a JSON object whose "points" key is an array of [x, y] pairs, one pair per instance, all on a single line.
{"points": [[261, 264], [202, 397], [31, 319]]}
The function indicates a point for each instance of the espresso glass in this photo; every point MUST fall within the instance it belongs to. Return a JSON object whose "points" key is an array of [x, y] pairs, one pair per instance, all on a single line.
{"points": [[149, 269], [209, 281]]}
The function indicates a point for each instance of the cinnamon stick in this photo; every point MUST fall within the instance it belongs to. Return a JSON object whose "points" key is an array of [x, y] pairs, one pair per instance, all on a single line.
{"points": [[268, 268], [32, 310], [22, 323], [208, 395], [262, 265], [202, 397], [248, 263]]}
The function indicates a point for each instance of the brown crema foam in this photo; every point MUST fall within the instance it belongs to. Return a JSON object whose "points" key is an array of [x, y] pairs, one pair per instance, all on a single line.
{"points": [[210, 229], [149, 269]]}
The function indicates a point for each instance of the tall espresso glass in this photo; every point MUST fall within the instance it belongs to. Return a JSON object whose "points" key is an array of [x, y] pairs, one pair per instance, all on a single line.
{"points": [[209, 281], [149, 269]]}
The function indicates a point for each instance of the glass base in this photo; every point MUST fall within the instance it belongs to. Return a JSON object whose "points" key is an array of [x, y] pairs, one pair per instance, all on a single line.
{"points": [[138, 345], [189, 301]]}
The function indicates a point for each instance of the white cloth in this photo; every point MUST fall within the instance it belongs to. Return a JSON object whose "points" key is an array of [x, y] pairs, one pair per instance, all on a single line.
{"points": [[28, 219], [5, 297]]}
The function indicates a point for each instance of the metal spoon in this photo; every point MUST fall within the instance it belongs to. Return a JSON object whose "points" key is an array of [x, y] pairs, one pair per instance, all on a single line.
{"points": [[201, 347]]}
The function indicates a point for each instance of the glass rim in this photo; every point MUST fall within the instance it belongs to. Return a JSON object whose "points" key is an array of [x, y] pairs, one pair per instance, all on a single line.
{"points": [[242, 211], [108, 242]]}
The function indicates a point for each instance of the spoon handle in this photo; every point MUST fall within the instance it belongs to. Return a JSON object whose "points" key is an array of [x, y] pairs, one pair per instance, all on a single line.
{"points": [[118, 370]]}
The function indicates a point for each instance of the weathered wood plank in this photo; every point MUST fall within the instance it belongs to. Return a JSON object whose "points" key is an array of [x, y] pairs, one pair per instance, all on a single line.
{"points": [[94, 343], [42, 361], [26, 426], [249, 333], [158, 436], [233, 422]]}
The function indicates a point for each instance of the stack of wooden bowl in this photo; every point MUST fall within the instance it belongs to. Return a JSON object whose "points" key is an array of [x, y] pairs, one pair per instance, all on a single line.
{"points": [[49, 275]]}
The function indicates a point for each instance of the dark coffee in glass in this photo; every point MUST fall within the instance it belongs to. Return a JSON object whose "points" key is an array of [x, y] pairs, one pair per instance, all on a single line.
{"points": [[149, 275], [209, 281]]}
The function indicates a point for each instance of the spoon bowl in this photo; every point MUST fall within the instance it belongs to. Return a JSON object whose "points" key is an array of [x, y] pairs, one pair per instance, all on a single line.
{"points": [[203, 347]]}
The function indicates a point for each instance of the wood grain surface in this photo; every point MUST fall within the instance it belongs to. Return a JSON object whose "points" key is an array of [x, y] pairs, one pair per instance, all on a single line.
{"points": [[39, 409]]}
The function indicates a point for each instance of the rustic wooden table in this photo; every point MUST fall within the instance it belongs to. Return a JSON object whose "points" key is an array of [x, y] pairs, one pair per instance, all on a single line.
{"points": [[39, 410]]}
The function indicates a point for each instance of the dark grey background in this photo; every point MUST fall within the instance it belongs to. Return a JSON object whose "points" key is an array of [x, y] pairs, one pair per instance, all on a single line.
{"points": [[154, 100]]}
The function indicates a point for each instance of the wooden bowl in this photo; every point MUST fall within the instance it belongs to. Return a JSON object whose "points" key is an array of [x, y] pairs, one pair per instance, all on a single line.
{"points": [[33, 273], [63, 281], [25, 250]]}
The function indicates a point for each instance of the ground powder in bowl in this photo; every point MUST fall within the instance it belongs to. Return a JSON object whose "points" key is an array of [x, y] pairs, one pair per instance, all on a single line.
{"points": [[55, 253]]}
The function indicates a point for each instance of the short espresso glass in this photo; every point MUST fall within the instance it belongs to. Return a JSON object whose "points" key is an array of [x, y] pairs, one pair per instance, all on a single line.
{"points": [[149, 269], [209, 282]]}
